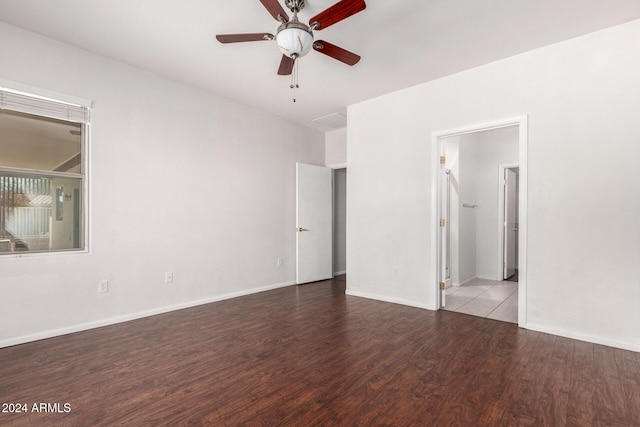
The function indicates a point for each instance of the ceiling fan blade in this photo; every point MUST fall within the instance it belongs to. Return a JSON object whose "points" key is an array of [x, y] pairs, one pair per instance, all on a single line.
{"points": [[336, 52], [276, 10], [248, 37], [336, 13], [286, 66]]}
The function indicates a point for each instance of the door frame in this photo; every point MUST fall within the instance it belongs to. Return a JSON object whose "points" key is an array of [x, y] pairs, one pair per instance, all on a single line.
{"points": [[436, 149], [501, 218], [333, 168]]}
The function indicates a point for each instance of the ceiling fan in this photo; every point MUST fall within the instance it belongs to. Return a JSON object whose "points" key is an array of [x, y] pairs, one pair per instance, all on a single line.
{"points": [[295, 39]]}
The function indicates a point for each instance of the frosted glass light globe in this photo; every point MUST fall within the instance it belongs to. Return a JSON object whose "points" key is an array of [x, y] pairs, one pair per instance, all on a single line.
{"points": [[294, 42]]}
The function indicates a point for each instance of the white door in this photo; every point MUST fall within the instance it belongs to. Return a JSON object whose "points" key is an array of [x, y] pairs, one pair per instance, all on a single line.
{"points": [[314, 258], [445, 235], [510, 223]]}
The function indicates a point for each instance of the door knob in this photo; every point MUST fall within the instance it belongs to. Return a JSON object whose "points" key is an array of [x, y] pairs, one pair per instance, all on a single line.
{"points": [[300, 229], [515, 229]]}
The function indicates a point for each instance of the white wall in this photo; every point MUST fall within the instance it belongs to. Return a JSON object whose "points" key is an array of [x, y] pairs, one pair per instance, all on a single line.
{"points": [[336, 147], [583, 256], [179, 182]]}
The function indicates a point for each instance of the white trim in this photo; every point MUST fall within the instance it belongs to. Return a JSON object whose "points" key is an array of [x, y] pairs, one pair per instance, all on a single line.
{"points": [[384, 298], [523, 221], [501, 207], [333, 213], [133, 316], [337, 166], [497, 124], [44, 93], [86, 190], [48, 253], [83, 176], [521, 122], [493, 279], [465, 282], [435, 220]]}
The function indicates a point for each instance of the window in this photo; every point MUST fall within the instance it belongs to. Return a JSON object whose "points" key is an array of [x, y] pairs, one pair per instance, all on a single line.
{"points": [[42, 173]]}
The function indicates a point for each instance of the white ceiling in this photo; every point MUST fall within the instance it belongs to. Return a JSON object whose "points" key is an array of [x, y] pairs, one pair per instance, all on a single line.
{"points": [[402, 43]]}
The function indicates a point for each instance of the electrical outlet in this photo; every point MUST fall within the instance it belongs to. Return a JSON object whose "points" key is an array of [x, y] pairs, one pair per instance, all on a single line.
{"points": [[168, 277], [279, 262], [103, 286]]}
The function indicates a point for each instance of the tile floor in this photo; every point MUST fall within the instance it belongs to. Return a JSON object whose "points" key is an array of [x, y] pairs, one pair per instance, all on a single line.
{"points": [[485, 298]]}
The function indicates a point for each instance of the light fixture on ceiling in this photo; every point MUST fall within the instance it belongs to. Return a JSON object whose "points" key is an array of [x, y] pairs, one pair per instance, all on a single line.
{"points": [[295, 39]]}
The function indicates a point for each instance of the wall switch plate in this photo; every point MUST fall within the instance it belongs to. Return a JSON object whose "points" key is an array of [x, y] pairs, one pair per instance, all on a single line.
{"points": [[279, 262], [103, 286], [168, 277]]}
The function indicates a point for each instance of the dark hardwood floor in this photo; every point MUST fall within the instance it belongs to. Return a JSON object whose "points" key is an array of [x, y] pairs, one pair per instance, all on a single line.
{"points": [[309, 355]]}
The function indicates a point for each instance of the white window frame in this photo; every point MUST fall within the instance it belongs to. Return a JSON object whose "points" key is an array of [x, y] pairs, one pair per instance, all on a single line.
{"points": [[45, 103]]}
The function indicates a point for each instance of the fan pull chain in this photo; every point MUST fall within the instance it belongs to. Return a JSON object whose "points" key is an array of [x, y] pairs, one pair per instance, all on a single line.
{"points": [[294, 79]]}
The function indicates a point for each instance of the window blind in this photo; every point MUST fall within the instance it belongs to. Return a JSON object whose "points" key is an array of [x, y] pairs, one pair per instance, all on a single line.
{"points": [[33, 104]]}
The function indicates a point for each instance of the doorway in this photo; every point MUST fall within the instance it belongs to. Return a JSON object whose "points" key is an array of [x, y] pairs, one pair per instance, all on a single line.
{"points": [[339, 221], [321, 221], [509, 220], [480, 223]]}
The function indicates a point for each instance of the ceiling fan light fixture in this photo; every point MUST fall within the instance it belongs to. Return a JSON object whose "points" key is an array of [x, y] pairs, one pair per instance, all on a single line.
{"points": [[294, 41]]}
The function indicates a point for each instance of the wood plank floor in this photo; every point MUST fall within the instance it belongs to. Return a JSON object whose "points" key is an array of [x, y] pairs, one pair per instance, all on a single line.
{"points": [[309, 355]]}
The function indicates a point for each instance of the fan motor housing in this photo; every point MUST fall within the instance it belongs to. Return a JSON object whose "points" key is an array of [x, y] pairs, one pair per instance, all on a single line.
{"points": [[295, 5]]}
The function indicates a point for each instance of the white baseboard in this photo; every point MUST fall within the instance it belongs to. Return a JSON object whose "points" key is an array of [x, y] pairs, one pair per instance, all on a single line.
{"points": [[494, 278], [583, 337], [465, 282], [339, 273], [385, 298], [133, 316]]}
